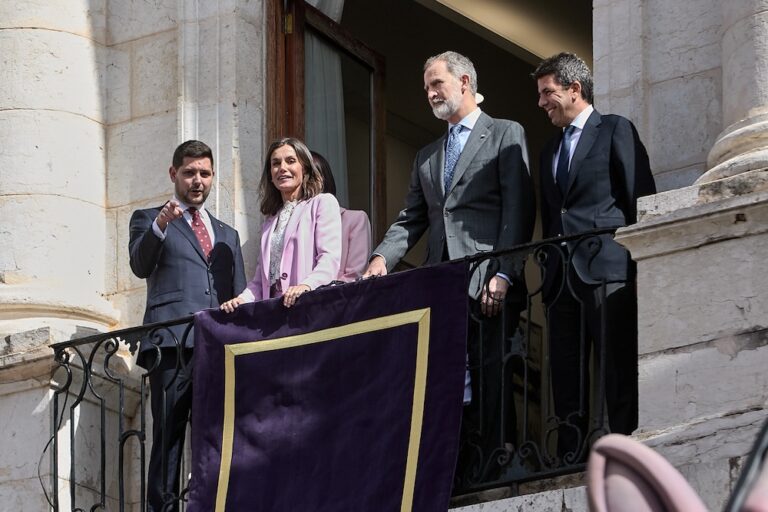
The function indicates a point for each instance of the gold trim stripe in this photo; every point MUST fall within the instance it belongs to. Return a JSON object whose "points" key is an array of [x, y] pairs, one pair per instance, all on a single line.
{"points": [[421, 317]]}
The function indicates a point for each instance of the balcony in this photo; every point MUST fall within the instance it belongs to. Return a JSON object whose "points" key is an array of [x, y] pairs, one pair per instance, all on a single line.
{"points": [[101, 425]]}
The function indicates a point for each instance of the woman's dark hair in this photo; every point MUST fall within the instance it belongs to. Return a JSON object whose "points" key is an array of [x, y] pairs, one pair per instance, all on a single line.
{"points": [[311, 185], [329, 184]]}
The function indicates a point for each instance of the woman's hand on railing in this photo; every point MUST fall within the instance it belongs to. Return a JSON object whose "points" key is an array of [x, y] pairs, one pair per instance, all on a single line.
{"points": [[231, 304], [292, 294]]}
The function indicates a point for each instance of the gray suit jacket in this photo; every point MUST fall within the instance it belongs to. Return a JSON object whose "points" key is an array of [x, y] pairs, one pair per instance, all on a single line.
{"points": [[489, 206], [180, 281]]}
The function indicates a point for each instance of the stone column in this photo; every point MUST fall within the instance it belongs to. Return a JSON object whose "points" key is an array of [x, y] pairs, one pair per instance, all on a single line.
{"points": [[743, 145], [52, 169], [53, 229], [702, 295]]}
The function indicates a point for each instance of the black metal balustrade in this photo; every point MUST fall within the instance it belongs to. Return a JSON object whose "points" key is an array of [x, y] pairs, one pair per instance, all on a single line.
{"points": [[517, 442], [90, 369]]}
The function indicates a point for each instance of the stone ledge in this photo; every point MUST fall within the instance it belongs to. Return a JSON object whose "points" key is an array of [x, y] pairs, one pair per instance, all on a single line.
{"points": [[518, 493], [572, 499], [704, 214], [674, 202]]}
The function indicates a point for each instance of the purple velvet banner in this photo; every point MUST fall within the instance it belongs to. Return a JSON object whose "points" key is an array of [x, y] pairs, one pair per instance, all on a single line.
{"points": [[349, 401]]}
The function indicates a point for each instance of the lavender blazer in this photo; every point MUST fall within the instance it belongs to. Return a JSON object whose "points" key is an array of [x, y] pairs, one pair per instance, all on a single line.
{"points": [[355, 244], [311, 249]]}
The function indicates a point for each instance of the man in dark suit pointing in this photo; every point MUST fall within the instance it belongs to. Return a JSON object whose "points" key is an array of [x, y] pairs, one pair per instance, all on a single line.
{"points": [[472, 191], [592, 173], [191, 262]]}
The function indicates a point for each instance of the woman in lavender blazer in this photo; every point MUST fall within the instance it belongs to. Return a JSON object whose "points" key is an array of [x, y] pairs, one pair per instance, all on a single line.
{"points": [[355, 229], [301, 235]]}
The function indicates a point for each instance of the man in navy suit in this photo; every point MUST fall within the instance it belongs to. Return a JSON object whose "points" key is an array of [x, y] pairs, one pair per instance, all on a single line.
{"points": [[592, 173], [191, 262]]}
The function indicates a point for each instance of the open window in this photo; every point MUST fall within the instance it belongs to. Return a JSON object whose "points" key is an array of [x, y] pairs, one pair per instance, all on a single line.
{"points": [[329, 91]]}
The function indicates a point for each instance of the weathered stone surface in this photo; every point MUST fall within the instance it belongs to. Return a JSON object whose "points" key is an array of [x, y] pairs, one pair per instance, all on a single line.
{"points": [[736, 302], [711, 480], [133, 19], [618, 46], [154, 80], [51, 70], [131, 304], [139, 156], [683, 37], [25, 422], [55, 154], [126, 280], [680, 386], [118, 80], [677, 139], [29, 252], [745, 53], [678, 178], [85, 18], [26, 494], [562, 500]]}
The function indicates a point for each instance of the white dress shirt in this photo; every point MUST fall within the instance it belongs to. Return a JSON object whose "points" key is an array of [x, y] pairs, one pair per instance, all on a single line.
{"points": [[188, 218]]}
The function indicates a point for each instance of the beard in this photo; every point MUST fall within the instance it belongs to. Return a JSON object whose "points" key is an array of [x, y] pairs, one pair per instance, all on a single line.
{"points": [[191, 199], [447, 108]]}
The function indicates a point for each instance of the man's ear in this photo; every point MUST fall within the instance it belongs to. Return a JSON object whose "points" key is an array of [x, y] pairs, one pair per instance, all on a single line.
{"points": [[576, 88], [464, 83], [172, 173]]}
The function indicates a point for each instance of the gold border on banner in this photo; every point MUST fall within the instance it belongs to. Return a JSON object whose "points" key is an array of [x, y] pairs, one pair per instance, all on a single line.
{"points": [[421, 317]]}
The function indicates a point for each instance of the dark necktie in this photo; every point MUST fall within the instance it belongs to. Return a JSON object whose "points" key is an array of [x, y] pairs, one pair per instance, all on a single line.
{"points": [[200, 231], [563, 161], [452, 152]]}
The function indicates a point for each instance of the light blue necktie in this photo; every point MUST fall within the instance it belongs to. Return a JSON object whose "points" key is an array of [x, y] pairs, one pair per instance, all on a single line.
{"points": [[452, 152]]}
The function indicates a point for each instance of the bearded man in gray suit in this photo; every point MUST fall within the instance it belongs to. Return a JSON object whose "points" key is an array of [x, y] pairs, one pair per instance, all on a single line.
{"points": [[472, 190]]}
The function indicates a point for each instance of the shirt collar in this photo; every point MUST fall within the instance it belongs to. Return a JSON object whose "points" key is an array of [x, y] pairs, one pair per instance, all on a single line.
{"points": [[581, 119], [469, 120], [186, 207]]}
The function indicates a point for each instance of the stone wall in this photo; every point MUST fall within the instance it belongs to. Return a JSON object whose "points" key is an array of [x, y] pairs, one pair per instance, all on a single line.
{"points": [[692, 75], [658, 62], [96, 96]]}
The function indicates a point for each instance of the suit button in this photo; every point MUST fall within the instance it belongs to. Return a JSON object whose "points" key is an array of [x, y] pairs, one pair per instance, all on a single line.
{"points": [[446, 213], [563, 210], [284, 276], [207, 292]]}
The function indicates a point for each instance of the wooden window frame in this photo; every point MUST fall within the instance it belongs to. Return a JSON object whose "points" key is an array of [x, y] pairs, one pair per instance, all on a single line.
{"points": [[285, 87]]}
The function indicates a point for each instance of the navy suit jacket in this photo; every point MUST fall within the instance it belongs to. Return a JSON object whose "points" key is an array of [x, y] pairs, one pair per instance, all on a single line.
{"points": [[180, 281], [609, 171]]}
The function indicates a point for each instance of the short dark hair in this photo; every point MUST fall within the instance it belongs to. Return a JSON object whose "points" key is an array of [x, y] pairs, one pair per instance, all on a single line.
{"points": [[191, 149], [312, 184], [329, 184], [567, 68]]}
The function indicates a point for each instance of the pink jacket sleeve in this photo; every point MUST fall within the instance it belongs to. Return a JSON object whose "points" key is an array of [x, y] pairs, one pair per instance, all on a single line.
{"points": [[356, 235], [327, 247]]}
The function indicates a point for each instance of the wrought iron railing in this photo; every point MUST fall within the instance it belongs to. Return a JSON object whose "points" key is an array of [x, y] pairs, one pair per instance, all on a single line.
{"points": [[95, 390], [521, 442], [100, 425]]}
